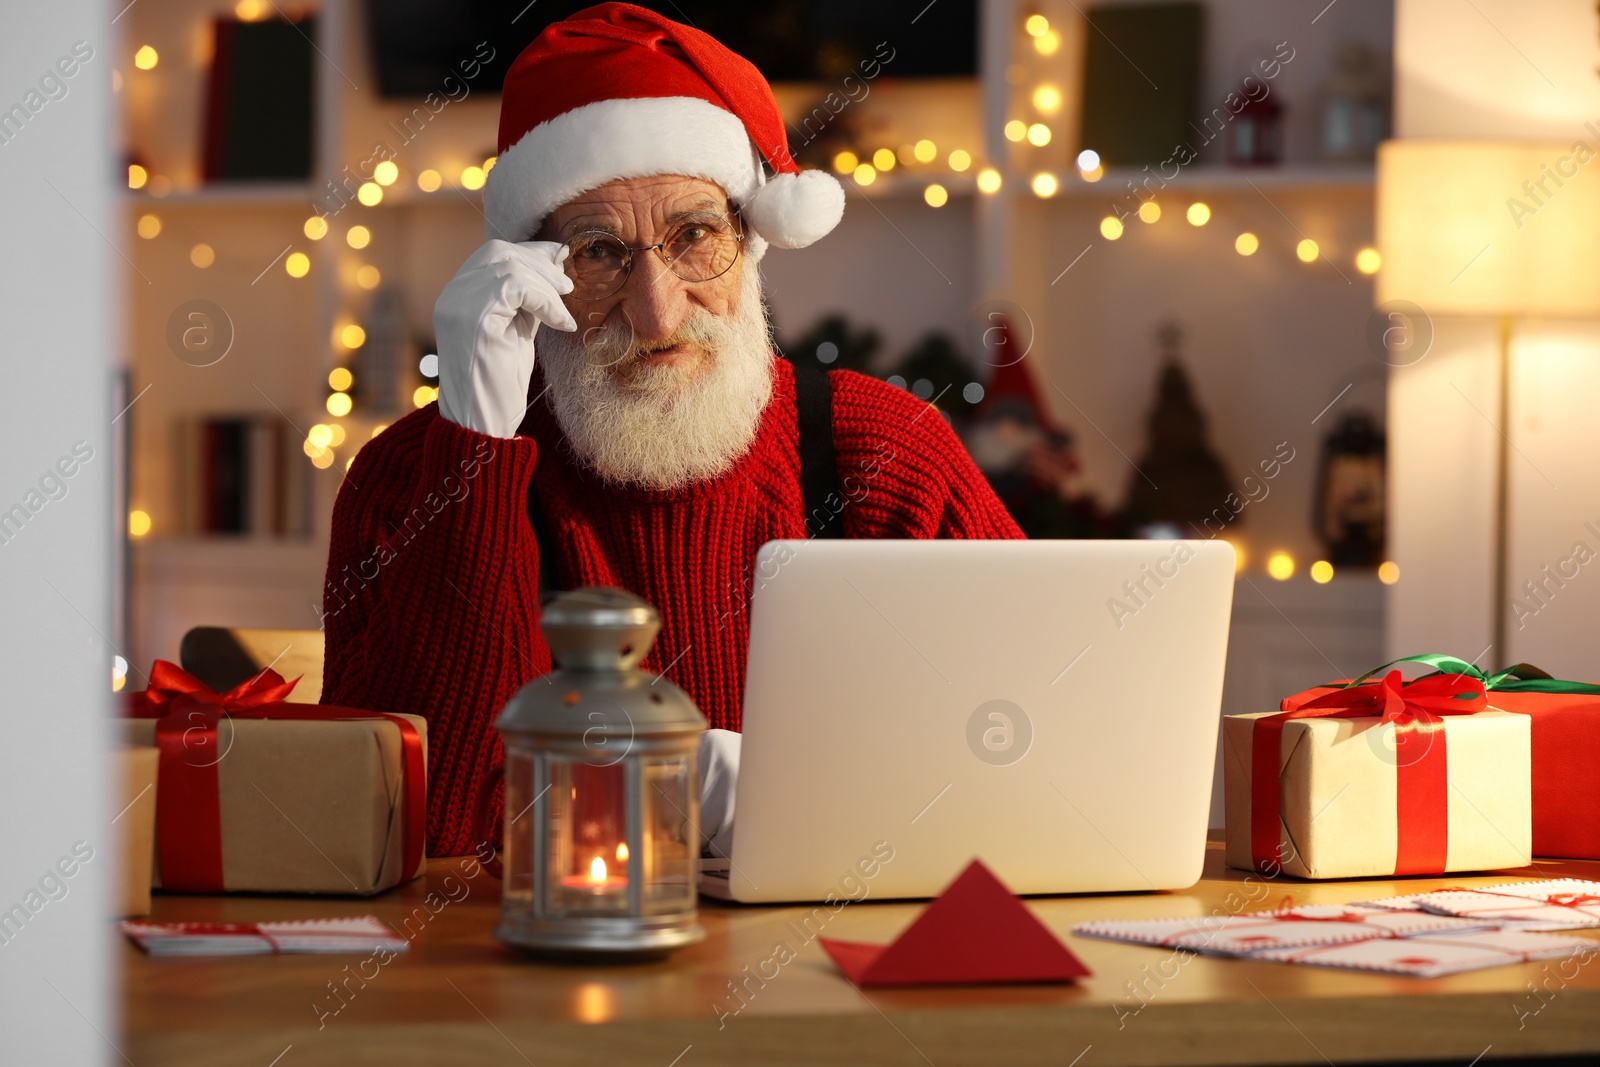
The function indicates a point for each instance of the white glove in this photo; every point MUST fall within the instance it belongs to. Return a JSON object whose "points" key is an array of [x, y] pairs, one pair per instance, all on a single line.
{"points": [[485, 320], [718, 764]]}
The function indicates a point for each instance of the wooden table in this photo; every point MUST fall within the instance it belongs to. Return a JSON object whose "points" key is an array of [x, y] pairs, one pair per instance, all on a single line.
{"points": [[458, 997]]}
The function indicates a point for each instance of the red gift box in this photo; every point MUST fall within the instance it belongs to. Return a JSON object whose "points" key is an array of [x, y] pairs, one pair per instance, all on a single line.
{"points": [[1565, 748]]}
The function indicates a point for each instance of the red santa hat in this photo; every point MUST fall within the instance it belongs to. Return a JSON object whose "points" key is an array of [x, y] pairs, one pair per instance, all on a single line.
{"points": [[617, 91]]}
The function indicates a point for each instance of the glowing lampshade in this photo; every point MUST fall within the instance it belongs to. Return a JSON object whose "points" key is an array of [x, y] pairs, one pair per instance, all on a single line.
{"points": [[1489, 227]]}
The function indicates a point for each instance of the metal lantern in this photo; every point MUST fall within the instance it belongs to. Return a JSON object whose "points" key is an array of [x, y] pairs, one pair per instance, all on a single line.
{"points": [[602, 835]]}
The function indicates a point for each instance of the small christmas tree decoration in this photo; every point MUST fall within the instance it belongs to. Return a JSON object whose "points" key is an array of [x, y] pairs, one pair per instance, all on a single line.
{"points": [[1179, 480]]}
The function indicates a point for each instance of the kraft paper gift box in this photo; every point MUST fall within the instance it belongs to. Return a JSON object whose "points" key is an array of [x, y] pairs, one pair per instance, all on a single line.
{"points": [[1454, 795], [136, 826], [255, 795], [1565, 748]]}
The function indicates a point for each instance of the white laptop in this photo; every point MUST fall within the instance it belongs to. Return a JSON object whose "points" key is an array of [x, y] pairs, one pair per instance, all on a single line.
{"points": [[1049, 707]]}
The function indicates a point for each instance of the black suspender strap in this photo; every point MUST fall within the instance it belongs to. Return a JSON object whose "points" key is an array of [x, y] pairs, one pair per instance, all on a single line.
{"points": [[549, 569], [819, 471]]}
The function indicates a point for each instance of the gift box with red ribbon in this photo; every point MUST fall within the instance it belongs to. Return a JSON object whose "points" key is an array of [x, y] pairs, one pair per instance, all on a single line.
{"points": [[1565, 748], [258, 795], [1379, 776]]}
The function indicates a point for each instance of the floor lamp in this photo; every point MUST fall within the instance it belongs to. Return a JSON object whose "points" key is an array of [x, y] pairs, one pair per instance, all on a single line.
{"points": [[1491, 229]]}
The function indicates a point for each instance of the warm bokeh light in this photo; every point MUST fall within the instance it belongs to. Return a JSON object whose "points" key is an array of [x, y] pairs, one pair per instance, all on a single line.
{"points": [[1281, 566], [936, 195], [385, 173], [1388, 572], [149, 226], [382, 426], [336, 435], [316, 228], [1088, 159], [368, 277], [322, 459], [358, 237], [1016, 130], [370, 194], [138, 523], [146, 58], [1321, 572], [925, 151], [1047, 45], [845, 162], [1111, 227], [1092, 175], [883, 159], [1199, 214], [1246, 243], [988, 180], [1307, 250], [907, 154], [352, 336], [137, 176], [202, 255], [1239, 556], [865, 174], [1038, 135], [339, 405], [1368, 261], [340, 379], [1149, 211], [298, 264], [250, 10], [472, 178], [622, 852], [960, 159], [1047, 98], [489, 163], [429, 181], [424, 395], [1044, 185], [1036, 25], [319, 436]]}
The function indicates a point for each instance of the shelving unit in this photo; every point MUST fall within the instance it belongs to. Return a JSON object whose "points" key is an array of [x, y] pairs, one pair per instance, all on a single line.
{"points": [[895, 262]]}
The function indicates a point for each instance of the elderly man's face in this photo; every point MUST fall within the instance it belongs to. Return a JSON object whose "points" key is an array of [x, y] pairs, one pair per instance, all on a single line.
{"points": [[666, 380], [654, 303]]}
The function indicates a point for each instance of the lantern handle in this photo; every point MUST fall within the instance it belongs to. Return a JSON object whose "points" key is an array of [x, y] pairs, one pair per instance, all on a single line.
{"points": [[483, 818]]}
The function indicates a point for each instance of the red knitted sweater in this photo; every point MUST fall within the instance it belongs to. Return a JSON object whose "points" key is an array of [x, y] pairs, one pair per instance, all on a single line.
{"points": [[431, 602]]}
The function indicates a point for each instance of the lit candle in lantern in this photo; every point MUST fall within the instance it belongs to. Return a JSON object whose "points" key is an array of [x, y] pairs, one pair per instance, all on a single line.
{"points": [[598, 881]]}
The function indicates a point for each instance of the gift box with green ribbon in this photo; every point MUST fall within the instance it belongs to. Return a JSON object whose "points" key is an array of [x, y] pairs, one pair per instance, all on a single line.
{"points": [[1380, 776]]}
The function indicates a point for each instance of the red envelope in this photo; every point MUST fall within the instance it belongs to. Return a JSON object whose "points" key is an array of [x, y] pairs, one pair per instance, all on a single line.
{"points": [[975, 932]]}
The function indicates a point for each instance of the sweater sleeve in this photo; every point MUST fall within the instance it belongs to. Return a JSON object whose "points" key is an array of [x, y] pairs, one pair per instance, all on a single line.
{"points": [[902, 470], [431, 603]]}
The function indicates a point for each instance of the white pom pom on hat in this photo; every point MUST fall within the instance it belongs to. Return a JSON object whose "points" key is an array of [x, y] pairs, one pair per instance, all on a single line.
{"points": [[616, 91], [793, 210]]}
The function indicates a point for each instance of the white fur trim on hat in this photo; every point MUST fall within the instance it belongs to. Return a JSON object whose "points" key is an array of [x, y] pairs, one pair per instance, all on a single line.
{"points": [[635, 138]]}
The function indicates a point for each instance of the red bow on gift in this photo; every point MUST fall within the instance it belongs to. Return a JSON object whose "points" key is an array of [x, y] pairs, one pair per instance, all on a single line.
{"points": [[188, 808], [1417, 710]]}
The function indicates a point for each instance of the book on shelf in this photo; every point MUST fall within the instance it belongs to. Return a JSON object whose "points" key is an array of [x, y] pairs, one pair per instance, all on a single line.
{"points": [[241, 476]]}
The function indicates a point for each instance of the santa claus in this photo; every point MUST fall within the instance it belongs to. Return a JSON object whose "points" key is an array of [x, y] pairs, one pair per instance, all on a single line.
{"points": [[610, 408]]}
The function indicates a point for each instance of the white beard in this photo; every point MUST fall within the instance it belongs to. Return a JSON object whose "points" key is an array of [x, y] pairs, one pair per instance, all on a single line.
{"points": [[660, 430]]}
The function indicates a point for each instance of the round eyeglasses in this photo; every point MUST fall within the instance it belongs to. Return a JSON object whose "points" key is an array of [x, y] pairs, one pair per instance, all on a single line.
{"points": [[696, 249]]}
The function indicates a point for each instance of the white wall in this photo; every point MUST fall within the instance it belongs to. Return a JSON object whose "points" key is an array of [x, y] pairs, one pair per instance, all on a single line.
{"points": [[59, 304], [1514, 71]]}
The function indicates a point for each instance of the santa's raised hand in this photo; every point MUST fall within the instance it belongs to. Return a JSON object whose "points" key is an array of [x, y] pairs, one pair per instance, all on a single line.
{"points": [[485, 321]]}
